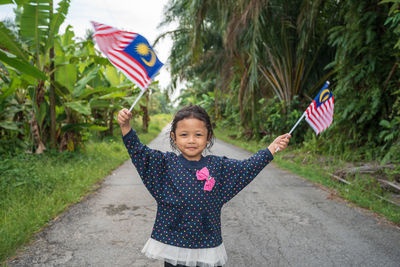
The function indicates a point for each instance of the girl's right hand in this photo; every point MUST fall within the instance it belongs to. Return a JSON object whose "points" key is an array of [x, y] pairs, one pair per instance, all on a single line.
{"points": [[124, 116]]}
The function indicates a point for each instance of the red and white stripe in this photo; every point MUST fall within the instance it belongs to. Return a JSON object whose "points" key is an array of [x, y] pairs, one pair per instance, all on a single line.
{"points": [[320, 118], [111, 42]]}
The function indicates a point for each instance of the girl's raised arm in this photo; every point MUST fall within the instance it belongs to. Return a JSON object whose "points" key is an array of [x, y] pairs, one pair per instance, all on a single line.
{"points": [[237, 174], [149, 163]]}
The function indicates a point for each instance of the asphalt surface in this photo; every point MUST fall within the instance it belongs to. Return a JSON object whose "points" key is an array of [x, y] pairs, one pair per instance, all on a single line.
{"points": [[280, 219]]}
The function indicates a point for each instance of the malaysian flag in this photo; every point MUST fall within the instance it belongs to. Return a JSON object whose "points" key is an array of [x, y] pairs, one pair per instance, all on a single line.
{"points": [[319, 113], [129, 52]]}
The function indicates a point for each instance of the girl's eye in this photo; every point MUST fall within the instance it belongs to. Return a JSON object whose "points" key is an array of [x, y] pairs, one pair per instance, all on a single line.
{"points": [[199, 135], [183, 134]]}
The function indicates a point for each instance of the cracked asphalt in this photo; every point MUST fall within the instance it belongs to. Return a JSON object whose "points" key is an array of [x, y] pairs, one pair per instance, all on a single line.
{"points": [[280, 219]]}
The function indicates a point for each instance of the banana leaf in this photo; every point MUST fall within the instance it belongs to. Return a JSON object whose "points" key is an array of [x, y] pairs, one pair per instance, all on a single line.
{"points": [[79, 89], [79, 107], [22, 66], [78, 127], [35, 22], [8, 41], [112, 76], [89, 91], [114, 95], [10, 125], [61, 90], [56, 21], [98, 103], [6, 92], [66, 75]]}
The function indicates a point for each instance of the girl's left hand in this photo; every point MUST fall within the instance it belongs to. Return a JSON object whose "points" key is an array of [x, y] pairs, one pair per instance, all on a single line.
{"points": [[280, 142]]}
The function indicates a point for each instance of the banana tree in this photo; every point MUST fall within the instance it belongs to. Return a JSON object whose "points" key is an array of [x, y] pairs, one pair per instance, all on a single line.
{"points": [[38, 26], [89, 88]]}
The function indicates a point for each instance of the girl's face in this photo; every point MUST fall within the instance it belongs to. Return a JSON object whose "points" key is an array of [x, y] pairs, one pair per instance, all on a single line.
{"points": [[191, 138]]}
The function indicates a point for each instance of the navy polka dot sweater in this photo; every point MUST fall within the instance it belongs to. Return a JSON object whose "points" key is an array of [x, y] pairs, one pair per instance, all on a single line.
{"points": [[187, 215]]}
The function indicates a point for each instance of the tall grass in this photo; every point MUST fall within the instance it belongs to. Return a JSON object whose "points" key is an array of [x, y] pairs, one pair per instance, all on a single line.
{"points": [[36, 188]]}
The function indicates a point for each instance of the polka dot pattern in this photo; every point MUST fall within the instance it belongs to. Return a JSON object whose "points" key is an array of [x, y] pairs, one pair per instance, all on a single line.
{"points": [[187, 215]]}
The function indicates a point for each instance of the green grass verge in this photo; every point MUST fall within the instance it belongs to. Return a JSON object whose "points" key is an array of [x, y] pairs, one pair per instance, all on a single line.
{"points": [[317, 169], [36, 188]]}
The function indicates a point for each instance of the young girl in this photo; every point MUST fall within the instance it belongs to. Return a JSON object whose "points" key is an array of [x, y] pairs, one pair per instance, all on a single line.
{"points": [[190, 189]]}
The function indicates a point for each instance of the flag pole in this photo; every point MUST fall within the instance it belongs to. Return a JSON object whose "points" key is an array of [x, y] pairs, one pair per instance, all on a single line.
{"points": [[294, 127], [297, 123], [137, 99]]}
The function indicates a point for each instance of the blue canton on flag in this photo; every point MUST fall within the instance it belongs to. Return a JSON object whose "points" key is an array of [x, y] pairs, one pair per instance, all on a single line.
{"points": [[324, 95], [140, 50], [129, 52]]}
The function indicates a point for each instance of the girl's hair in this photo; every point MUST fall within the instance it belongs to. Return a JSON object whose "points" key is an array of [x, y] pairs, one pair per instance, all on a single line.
{"points": [[192, 111]]}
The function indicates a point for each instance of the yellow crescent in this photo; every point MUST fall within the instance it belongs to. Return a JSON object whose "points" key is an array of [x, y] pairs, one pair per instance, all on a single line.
{"points": [[152, 60], [324, 96]]}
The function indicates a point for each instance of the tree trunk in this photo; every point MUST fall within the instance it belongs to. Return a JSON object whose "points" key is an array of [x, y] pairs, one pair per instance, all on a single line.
{"points": [[36, 135], [53, 142], [145, 110], [241, 95], [36, 127], [110, 123]]}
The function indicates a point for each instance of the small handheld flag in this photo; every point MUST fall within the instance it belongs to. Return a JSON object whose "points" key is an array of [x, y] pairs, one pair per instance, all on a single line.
{"points": [[319, 114], [130, 53]]}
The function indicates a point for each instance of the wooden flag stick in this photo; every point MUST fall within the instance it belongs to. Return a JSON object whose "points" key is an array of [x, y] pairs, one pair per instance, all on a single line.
{"points": [[137, 99], [294, 127]]}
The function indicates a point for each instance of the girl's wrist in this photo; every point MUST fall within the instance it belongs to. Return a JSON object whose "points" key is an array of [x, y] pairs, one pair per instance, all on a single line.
{"points": [[125, 129], [271, 149]]}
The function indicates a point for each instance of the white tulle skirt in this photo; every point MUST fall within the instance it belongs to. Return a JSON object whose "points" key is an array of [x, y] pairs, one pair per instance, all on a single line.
{"points": [[203, 257]]}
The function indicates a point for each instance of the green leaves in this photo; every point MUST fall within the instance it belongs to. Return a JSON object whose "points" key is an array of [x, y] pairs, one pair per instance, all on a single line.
{"points": [[22, 66], [79, 106], [35, 22], [78, 90], [10, 125], [5, 2], [9, 42], [56, 20]]}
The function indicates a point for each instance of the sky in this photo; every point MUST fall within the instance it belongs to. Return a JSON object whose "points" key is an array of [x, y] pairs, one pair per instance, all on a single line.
{"points": [[138, 16]]}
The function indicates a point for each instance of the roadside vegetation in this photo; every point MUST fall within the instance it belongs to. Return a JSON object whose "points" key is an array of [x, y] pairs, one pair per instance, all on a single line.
{"points": [[34, 189], [362, 189], [257, 65]]}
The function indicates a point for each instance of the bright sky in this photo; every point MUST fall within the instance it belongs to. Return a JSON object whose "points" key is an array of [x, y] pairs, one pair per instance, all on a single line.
{"points": [[138, 16]]}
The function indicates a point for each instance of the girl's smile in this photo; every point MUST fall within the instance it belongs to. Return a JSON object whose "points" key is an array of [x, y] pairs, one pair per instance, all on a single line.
{"points": [[191, 138]]}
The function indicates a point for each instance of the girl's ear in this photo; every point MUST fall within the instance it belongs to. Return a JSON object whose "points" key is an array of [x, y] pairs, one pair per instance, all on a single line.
{"points": [[173, 136]]}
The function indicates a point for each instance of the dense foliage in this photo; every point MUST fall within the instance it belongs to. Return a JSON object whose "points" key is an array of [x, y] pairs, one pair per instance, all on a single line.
{"points": [[258, 63], [56, 89]]}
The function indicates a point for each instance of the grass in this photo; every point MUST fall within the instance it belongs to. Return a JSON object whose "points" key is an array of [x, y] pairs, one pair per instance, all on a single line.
{"points": [[317, 169], [36, 188]]}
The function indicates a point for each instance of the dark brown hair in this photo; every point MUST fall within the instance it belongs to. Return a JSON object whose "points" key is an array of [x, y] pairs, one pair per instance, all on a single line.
{"points": [[192, 111]]}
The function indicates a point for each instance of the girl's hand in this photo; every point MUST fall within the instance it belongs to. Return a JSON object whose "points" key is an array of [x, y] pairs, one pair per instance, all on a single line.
{"points": [[124, 116], [280, 142]]}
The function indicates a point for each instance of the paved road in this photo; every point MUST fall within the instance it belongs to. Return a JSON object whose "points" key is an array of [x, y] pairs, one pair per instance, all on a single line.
{"points": [[278, 220]]}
